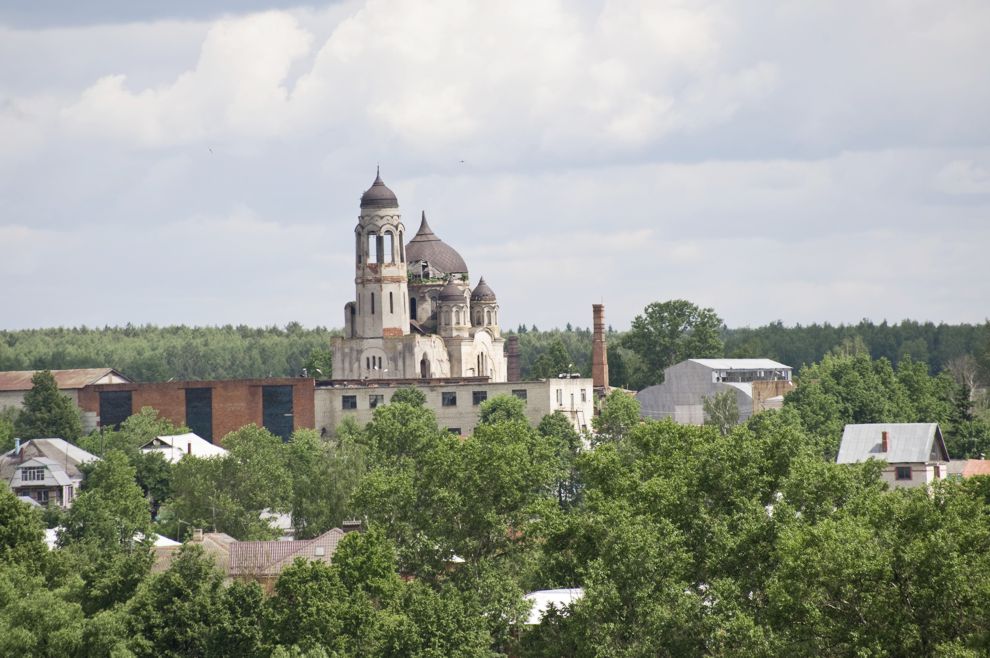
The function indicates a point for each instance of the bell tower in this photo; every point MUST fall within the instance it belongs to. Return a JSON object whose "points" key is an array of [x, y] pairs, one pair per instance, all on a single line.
{"points": [[381, 306]]}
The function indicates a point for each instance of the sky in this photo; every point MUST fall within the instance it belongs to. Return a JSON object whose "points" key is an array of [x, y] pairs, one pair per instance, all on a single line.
{"points": [[813, 161]]}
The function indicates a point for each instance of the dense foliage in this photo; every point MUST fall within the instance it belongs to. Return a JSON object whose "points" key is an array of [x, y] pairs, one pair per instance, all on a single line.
{"points": [[150, 353], [720, 540]]}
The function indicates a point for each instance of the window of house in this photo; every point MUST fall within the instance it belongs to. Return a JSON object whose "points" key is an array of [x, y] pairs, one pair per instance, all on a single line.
{"points": [[903, 473], [584, 395], [375, 399], [519, 393], [560, 397], [454, 430], [348, 402], [938, 472], [477, 397], [32, 474], [42, 496], [448, 398]]}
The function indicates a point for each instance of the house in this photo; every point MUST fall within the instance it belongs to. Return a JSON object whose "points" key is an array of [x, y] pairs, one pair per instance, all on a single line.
{"points": [[758, 384], [174, 447], [46, 470], [260, 561], [14, 384], [915, 452]]}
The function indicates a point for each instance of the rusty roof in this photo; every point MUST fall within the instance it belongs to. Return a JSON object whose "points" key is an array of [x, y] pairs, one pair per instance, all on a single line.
{"points": [[268, 558], [20, 380], [976, 467]]}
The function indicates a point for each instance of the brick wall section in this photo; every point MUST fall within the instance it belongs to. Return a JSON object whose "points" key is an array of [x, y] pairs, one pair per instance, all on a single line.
{"points": [[236, 402]]}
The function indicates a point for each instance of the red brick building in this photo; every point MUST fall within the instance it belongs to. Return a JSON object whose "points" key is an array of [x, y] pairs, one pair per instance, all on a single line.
{"points": [[211, 409]]}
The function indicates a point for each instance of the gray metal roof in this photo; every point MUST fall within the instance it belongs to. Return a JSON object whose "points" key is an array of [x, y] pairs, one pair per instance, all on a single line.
{"points": [[426, 246], [906, 443], [740, 364]]}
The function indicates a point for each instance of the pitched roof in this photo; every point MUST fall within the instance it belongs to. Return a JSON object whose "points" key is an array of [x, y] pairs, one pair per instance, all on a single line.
{"points": [[906, 443], [976, 467], [173, 447], [269, 558], [20, 380], [740, 364], [61, 453]]}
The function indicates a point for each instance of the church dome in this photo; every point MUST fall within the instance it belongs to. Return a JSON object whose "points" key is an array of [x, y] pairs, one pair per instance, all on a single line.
{"points": [[379, 196], [451, 293], [482, 293], [427, 246]]}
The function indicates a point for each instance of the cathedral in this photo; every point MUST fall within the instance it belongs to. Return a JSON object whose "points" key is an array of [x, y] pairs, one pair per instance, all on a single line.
{"points": [[415, 315]]}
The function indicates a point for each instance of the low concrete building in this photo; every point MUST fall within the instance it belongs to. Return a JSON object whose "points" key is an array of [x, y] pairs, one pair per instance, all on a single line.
{"points": [[45, 470], [456, 402], [915, 452], [758, 384], [14, 384]]}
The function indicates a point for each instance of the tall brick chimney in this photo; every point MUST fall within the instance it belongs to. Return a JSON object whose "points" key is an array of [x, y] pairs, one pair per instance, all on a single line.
{"points": [[513, 364], [599, 351]]}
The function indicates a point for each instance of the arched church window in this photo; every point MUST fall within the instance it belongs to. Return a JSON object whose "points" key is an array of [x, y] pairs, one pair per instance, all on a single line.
{"points": [[402, 249], [391, 304], [488, 317], [457, 317], [357, 239], [372, 303], [380, 250], [412, 308], [371, 244]]}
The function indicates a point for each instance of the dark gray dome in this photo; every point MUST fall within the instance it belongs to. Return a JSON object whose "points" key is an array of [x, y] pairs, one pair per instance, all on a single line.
{"points": [[483, 293], [451, 293], [379, 196], [441, 256]]}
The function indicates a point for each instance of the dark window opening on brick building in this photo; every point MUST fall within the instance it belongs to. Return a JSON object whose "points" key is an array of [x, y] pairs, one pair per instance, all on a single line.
{"points": [[903, 473], [520, 393], [348, 402], [448, 398], [276, 410], [477, 397], [199, 411], [375, 400], [115, 408]]}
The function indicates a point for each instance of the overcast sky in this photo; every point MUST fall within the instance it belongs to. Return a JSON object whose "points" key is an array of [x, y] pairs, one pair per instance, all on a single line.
{"points": [[801, 161]]}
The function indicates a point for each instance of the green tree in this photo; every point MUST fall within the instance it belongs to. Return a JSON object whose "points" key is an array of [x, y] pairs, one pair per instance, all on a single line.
{"points": [[721, 410], [555, 360], [46, 412], [22, 534], [319, 365], [106, 534], [8, 418], [176, 613], [669, 332], [619, 413], [409, 395], [324, 474], [229, 493], [502, 408]]}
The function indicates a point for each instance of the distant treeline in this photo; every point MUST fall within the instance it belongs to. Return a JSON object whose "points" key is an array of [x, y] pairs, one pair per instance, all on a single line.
{"points": [[934, 344], [150, 353]]}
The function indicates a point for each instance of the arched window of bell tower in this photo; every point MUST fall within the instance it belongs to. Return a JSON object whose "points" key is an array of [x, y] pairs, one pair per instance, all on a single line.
{"points": [[371, 244], [389, 247], [402, 249], [488, 317]]}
